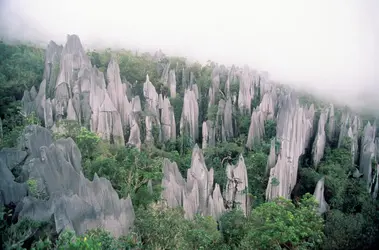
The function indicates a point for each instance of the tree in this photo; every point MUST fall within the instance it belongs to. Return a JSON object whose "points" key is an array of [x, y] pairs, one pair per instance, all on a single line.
{"points": [[280, 224]]}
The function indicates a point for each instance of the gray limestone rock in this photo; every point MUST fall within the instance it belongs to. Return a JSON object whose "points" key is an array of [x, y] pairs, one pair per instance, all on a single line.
{"points": [[208, 134], [63, 193], [40, 100], [246, 90], [109, 125], [215, 86], [319, 195], [331, 124], [172, 83], [237, 185], [136, 104], [168, 121], [190, 115], [267, 105], [10, 191], [151, 96], [320, 140], [12, 157], [165, 74], [368, 154], [173, 184], [52, 59], [227, 128], [256, 129], [196, 195], [271, 160], [117, 91], [293, 126], [135, 134], [48, 114]]}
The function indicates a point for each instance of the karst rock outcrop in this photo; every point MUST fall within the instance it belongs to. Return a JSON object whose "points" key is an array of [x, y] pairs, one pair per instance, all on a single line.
{"points": [[50, 185], [199, 194]]}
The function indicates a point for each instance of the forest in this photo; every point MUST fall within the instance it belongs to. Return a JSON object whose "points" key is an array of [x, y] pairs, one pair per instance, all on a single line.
{"points": [[351, 221]]}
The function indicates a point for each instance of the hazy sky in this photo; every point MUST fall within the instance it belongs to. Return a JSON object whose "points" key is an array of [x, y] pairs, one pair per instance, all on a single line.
{"points": [[331, 45]]}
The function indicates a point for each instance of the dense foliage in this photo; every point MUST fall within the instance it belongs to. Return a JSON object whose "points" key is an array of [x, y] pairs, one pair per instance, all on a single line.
{"points": [[280, 224]]}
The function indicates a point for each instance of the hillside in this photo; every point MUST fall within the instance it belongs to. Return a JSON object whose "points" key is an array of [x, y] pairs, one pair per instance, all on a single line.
{"points": [[119, 150]]}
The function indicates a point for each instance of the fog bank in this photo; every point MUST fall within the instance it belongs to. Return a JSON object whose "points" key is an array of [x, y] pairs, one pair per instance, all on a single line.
{"points": [[329, 47]]}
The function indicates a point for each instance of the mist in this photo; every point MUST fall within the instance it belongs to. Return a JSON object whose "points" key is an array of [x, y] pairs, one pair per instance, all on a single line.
{"points": [[327, 47]]}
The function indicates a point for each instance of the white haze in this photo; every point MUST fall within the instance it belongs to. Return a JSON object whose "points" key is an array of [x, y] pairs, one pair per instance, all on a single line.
{"points": [[328, 47]]}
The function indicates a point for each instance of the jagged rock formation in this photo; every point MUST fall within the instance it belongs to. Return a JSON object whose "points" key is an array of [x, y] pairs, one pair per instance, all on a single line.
{"points": [[227, 128], [58, 189], [214, 89], [197, 194], [117, 91], [74, 90], [168, 121], [368, 154], [350, 127], [331, 124], [190, 115], [256, 129], [271, 160], [209, 134], [293, 130], [153, 104], [172, 83], [319, 195], [246, 89], [320, 141], [237, 185]]}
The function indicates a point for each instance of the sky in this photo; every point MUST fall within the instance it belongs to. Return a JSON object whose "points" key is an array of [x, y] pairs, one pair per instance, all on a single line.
{"points": [[330, 47]]}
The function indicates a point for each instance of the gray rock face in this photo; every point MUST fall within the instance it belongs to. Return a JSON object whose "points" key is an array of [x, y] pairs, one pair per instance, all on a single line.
{"points": [[168, 121], [227, 128], [350, 126], [172, 83], [267, 105], [256, 129], [368, 154], [196, 195], [151, 96], [10, 190], [215, 86], [320, 141], [271, 160], [173, 184], [319, 195], [246, 90], [165, 74], [293, 126], [190, 115], [237, 185], [52, 61], [117, 92], [331, 124], [60, 190], [136, 104], [135, 134], [209, 134]]}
